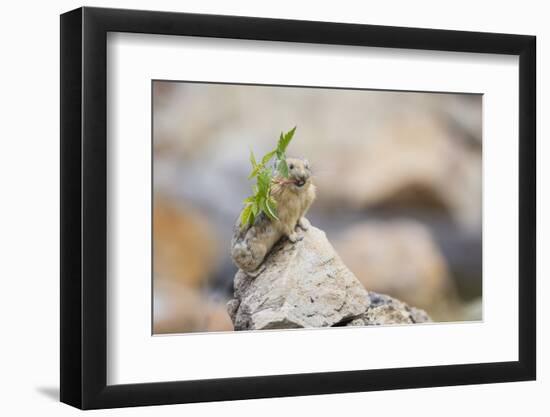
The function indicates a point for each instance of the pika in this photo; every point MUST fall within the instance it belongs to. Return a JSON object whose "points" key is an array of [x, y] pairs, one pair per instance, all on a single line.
{"points": [[293, 195]]}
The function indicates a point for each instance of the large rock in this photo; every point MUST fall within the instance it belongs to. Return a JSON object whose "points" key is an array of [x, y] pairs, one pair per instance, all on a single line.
{"points": [[185, 247], [385, 310], [180, 309], [306, 284], [414, 163], [401, 258], [302, 285]]}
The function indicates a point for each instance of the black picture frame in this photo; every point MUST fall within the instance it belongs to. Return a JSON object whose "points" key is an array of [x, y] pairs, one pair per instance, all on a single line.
{"points": [[84, 207]]}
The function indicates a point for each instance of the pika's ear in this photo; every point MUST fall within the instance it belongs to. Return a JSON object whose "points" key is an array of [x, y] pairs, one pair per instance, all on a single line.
{"points": [[306, 163]]}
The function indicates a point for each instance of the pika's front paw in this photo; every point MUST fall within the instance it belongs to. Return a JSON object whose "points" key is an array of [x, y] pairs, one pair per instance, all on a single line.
{"points": [[303, 224], [295, 237]]}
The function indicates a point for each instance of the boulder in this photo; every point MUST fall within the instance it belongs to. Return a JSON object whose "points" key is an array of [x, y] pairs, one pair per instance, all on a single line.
{"points": [[301, 285], [306, 284], [385, 310], [181, 309], [414, 163], [398, 257], [185, 246]]}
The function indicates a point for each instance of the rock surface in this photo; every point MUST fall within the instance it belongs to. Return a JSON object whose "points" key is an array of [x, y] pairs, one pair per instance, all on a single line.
{"points": [[302, 285], [397, 257], [384, 310], [306, 284], [185, 249], [415, 163], [178, 308]]}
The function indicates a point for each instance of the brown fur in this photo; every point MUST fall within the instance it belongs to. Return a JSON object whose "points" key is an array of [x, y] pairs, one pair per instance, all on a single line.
{"points": [[250, 245]]}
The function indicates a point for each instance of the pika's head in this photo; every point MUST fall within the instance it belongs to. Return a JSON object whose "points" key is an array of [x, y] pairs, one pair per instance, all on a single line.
{"points": [[299, 172]]}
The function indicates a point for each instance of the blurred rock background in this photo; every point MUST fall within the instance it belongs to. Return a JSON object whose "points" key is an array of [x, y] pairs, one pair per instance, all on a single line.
{"points": [[399, 191]]}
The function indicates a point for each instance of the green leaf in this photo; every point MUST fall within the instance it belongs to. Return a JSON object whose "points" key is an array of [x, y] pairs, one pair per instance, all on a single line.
{"points": [[267, 157], [253, 159], [264, 182], [261, 200], [254, 165], [246, 216], [254, 172], [285, 139], [255, 209], [270, 206], [267, 209], [282, 167]]}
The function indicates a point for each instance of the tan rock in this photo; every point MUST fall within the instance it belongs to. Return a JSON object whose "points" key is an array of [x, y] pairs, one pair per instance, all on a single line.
{"points": [[184, 244], [413, 162], [179, 309], [302, 285], [385, 310], [307, 285], [217, 319], [399, 258]]}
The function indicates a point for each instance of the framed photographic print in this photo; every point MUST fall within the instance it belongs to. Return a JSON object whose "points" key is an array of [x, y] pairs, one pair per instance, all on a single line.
{"points": [[257, 207]]}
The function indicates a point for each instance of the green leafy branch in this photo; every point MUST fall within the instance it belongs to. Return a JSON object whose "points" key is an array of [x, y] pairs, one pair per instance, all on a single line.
{"points": [[261, 199]]}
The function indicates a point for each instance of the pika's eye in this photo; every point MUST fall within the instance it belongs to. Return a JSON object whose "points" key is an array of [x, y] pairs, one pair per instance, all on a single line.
{"points": [[291, 166]]}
